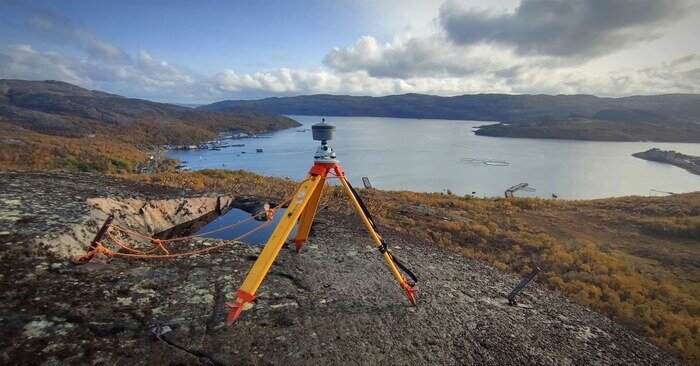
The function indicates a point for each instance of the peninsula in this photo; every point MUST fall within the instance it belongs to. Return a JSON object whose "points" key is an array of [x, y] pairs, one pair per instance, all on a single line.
{"points": [[687, 162]]}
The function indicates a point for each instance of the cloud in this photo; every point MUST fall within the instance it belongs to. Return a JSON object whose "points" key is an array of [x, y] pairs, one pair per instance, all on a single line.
{"points": [[63, 31], [429, 56], [539, 35], [163, 74], [146, 76], [281, 80], [149, 77], [564, 28], [433, 63], [680, 75], [285, 81], [23, 62]]}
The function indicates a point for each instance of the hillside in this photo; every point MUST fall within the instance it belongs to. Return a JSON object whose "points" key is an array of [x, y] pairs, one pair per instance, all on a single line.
{"points": [[673, 117], [334, 302], [52, 124]]}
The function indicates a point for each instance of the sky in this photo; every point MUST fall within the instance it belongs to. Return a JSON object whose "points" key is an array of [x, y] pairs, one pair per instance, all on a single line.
{"points": [[205, 51]]}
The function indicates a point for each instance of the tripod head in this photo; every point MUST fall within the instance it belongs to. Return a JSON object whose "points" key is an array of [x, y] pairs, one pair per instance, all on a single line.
{"points": [[323, 132]]}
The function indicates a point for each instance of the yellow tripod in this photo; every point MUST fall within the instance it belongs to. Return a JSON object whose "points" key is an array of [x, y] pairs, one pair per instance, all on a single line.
{"points": [[303, 208]]}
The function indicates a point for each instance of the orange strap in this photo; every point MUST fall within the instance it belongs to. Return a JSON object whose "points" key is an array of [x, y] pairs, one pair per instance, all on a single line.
{"points": [[159, 244]]}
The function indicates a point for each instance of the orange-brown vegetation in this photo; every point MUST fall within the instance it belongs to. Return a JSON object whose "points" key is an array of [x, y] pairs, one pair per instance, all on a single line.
{"points": [[238, 182], [635, 259], [23, 149], [111, 149], [56, 125]]}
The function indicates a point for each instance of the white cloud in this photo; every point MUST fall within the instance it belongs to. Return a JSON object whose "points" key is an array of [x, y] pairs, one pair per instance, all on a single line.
{"points": [[281, 80], [159, 73], [428, 56], [23, 62], [148, 77], [145, 77]]}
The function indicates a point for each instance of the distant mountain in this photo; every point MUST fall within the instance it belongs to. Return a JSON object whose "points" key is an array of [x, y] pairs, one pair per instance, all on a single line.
{"points": [[58, 108], [672, 117]]}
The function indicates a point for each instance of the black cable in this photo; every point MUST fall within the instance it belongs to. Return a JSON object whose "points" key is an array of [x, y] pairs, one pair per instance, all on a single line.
{"points": [[384, 248]]}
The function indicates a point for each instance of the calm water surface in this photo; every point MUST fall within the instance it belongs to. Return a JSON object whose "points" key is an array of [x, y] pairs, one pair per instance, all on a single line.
{"points": [[435, 155], [242, 224]]}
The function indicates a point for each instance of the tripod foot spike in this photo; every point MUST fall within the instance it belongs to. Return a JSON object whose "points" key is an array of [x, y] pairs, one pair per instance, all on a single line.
{"points": [[410, 291], [235, 309], [238, 305], [298, 243]]}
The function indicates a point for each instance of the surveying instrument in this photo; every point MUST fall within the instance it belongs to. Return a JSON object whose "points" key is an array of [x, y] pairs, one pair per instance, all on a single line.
{"points": [[303, 208]]}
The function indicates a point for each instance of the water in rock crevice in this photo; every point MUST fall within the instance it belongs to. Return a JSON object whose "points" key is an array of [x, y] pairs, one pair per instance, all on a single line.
{"points": [[236, 216]]}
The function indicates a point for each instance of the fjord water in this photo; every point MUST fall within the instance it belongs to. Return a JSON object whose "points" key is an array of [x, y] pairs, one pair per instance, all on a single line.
{"points": [[427, 156]]}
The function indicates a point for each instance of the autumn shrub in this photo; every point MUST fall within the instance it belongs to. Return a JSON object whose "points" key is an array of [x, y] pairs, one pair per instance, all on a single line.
{"points": [[100, 153], [684, 227]]}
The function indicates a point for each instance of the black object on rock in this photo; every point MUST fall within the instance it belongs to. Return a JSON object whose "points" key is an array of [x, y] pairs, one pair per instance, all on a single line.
{"points": [[521, 285]]}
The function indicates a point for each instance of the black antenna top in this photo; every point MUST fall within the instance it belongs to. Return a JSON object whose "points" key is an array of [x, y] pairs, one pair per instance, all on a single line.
{"points": [[323, 131]]}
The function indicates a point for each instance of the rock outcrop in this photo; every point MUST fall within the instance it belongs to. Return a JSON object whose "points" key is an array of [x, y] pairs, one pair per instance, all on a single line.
{"points": [[334, 302], [64, 211], [153, 216]]}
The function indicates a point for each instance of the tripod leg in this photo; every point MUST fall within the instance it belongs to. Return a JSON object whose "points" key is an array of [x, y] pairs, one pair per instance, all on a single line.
{"points": [[307, 217], [246, 294], [409, 290]]}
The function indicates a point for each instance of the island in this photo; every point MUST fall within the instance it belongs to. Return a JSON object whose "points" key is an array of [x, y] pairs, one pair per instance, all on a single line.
{"points": [[687, 162]]}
